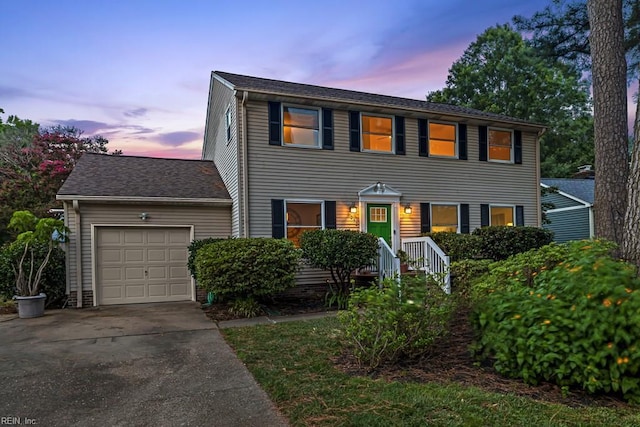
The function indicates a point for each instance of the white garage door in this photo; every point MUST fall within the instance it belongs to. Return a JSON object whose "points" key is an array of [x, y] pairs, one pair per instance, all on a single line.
{"points": [[136, 265]]}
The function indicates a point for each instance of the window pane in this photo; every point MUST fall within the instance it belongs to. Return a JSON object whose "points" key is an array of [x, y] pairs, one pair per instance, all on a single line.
{"points": [[442, 139], [294, 233], [501, 215], [305, 214], [301, 126], [300, 117], [442, 131], [377, 214], [371, 124], [376, 142], [300, 136], [444, 218], [500, 153], [499, 145], [442, 148]]}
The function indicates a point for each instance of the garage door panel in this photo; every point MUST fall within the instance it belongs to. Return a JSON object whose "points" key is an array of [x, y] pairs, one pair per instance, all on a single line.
{"points": [[136, 265]]}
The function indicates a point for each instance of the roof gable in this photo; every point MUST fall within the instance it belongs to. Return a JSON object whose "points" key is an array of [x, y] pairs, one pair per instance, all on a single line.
{"points": [[581, 189], [104, 176]]}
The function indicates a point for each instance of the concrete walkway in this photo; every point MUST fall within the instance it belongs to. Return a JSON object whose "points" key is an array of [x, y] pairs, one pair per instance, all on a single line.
{"points": [[135, 365]]}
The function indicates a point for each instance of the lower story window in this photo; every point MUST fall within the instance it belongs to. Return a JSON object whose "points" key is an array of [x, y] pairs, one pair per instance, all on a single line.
{"points": [[302, 216], [502, 215], [444, 218]]}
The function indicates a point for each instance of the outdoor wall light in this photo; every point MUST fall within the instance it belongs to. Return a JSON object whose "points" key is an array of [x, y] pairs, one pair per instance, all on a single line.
{"points": [[407, 209], [353, 208], [144, 216]]}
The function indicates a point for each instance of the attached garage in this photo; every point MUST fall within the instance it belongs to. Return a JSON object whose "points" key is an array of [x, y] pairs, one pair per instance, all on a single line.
{"points": [[132, 220]]}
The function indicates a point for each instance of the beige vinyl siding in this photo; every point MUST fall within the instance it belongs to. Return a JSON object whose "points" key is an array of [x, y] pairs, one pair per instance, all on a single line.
{"points": [[70, 247], [304, 173], [225, 153], [207, 222]]}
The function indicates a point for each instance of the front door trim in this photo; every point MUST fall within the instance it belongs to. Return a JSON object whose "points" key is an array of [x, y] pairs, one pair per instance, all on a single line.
{"points": [[383, 194]]}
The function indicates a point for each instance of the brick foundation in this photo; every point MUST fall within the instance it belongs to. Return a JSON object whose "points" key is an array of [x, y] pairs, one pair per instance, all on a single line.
{"points": [[201, 294], [87, 299]]}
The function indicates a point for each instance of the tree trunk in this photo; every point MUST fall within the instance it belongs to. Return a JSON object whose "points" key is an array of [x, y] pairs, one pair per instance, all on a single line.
{"points": [[609, 69], [631, 245]]}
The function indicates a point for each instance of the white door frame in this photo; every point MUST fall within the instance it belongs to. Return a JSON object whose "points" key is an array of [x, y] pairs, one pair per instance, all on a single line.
{"points": [[383, 194]]}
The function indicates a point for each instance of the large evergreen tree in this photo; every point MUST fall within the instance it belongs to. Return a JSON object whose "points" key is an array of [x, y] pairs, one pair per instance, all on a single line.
{"points": [[500, 72]]}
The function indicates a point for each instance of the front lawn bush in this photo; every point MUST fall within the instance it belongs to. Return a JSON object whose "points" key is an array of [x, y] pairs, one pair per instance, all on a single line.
{"points": [[339, 252], [467, 273], [500, 242], [457, 246], [53, 280], [194, 247], [575, 323], [244, 270], [401, 320]]}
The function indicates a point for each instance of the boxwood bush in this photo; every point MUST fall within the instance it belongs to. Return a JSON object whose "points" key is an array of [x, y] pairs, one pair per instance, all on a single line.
{"points": [[500, 242], [53, 281], [457, 246], [244, 270], [194, 247], [573, 322]]}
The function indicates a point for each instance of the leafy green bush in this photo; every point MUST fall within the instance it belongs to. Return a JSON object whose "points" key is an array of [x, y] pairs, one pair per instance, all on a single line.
{"points": [[194, 247], [500, 242], [576, 324], [247, 268], [457, 246], [53, 280], [340, 252], [401, 320], [466, 273]]}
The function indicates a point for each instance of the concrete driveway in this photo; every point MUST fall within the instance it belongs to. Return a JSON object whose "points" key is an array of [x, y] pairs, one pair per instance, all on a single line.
{"points": [[136, 365]]}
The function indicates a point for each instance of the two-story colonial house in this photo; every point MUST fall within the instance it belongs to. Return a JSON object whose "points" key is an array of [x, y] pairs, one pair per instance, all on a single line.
{"points": [[291, 157]]}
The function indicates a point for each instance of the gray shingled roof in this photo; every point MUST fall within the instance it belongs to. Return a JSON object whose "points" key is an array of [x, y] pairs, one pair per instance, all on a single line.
{"points": [[583, 189], [128, 176], [241, 82]]}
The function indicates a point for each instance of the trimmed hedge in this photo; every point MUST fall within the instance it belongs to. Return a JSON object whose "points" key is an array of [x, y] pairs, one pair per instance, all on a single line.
{"points": [[247, 267], [500, 242], [194, 247], [457, 246]]}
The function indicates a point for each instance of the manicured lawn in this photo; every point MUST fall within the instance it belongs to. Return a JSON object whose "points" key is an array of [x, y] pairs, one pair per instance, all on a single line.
{"points": [[292, 362]]}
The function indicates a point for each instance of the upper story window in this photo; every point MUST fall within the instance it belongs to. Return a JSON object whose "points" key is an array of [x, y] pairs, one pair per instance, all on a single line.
{"points": [[502, 215], [444, 218], [442, 139], [302, 216], [227, 121], [377, 133], [301, 126], [500, 145]]}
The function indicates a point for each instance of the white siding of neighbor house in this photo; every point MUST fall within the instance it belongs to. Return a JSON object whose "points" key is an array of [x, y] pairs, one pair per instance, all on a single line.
{"points": [[225, 153], [207, 222], [277, 172]]}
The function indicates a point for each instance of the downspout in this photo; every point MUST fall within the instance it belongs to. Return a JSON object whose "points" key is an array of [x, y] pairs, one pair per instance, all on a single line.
{"points": [[592, 232], [76, 209], [245, 172]]}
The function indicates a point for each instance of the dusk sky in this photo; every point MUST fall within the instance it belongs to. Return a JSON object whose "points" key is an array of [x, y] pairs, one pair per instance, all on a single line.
{"points": [[137, 72]]}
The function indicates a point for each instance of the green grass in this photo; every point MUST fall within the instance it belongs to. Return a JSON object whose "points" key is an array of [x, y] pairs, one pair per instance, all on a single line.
{"points": [[292, 363]]}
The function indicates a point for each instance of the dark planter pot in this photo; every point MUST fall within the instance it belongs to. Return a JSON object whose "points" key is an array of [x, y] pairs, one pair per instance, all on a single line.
{"points": [[29, 307]]}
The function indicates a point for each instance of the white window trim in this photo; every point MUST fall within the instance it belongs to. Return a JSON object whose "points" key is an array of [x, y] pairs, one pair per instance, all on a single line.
{"points": [[305, 201], [513, 211], [456, 142], [457, 205], [228, 120], [303, 107], [393, 134], [513, 148]]}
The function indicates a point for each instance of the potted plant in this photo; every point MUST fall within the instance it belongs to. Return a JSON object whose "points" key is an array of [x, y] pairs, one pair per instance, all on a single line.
{"points": [[28, 268], [404, 261]]}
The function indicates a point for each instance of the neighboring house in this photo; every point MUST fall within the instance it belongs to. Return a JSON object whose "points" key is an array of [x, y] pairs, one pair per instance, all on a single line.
{"points": [[295, 157], [572, 215], [131, 221]]}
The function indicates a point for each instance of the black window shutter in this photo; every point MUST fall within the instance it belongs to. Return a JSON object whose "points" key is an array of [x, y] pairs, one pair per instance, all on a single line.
{"points": [[277, 218], [275, 123], [517, 147], [327, 129], [425, 218], [354, 131], [482, 142], [462, 141], [400, 148], [423, 138], [330, 214], [484, 215], [520, 216], [464, 218]]}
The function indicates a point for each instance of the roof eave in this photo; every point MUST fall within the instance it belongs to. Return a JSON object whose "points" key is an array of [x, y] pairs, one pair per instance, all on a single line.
{"points": [[149, 200]]}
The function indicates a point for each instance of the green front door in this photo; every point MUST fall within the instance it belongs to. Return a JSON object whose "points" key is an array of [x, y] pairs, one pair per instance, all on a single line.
{"points": [[379, 220]]}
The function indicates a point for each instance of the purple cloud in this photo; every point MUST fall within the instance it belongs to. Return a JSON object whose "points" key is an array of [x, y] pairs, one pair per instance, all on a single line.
{"points": [[7, 92], [138, 112], [176, 139]]}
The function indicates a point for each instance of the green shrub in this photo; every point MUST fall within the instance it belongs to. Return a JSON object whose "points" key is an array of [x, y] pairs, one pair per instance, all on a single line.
{"points": [[576, 324], [466, 273], [247, 268], [500, 242], [457, 246], [340, 252], [53, 280], [401, 320], [194, 247]]}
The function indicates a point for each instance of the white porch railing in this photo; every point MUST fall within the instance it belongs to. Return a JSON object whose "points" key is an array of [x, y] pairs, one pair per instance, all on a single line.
{"points": [[388, 262], [426, 255]]}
